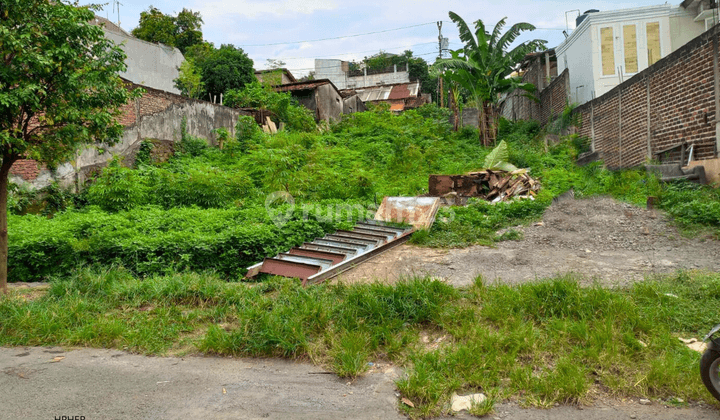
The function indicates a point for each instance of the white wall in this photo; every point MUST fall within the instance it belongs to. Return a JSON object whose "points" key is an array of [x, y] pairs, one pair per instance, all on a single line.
{"points": [[683, 29], [582, 50], [332, 70], [581, 62], [148, 64]]}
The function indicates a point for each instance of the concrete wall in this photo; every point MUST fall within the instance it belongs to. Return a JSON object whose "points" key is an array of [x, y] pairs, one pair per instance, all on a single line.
{"points": [[333, 70], [337, 72], [157, 116], [712, 170], [580, 59], [683, 29], [663, 106], [353, 104], [148, 64], [399, 76], [329, 103]]}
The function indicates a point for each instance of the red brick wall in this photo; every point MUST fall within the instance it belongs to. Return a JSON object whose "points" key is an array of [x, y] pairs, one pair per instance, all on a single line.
{"points": [[682, 108], [552, 97], [152, 101], [27, 169]]}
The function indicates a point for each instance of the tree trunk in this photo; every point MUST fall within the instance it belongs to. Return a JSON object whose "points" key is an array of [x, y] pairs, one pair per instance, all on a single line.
{"points": [[455, 110], [487, 124], [4, 172]]}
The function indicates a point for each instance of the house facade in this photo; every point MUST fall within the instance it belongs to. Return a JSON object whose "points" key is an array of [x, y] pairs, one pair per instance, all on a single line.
{"points": [[609, 47], [322, 98]]}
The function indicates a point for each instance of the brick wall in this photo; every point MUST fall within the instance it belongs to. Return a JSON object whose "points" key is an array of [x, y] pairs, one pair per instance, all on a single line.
{"points": [[157, 115], [27, 169], [551, 98], [679, 90]]}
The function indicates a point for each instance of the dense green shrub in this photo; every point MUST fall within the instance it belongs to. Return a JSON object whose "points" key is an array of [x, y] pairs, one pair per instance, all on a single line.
{"points": [[203, 209], [149, 240]]}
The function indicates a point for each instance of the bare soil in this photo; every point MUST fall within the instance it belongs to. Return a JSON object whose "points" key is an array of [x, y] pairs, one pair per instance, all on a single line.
{"points": [[597, 239]]}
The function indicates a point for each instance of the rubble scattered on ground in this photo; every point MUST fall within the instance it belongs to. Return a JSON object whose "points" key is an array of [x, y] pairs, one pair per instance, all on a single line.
{"points": [[489, 184], [502, 185]]}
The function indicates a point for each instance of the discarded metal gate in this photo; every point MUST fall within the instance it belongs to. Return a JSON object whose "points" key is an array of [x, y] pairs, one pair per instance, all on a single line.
{"points": [[332, 254], [326, 257]]}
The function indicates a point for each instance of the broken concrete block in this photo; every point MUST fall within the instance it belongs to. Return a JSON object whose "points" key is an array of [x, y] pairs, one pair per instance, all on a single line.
{"points": [[465, 402]]}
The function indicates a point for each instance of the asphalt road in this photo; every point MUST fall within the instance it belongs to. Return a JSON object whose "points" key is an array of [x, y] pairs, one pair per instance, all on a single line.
{"points": [[48, 383]]}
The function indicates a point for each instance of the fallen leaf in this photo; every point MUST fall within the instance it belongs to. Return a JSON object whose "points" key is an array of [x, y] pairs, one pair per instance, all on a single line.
{"points": [[408, 402], [57, 359], [224, 391]]}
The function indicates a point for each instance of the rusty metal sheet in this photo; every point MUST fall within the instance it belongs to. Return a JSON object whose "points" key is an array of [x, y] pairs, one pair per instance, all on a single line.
{"points": [[417, 211], [440, 185], [466, 186], [362, 235], [284, 268], [333, 256]]}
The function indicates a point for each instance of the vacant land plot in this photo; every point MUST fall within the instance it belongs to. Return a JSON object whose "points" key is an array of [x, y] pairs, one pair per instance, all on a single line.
{"points": [[600, 239]]}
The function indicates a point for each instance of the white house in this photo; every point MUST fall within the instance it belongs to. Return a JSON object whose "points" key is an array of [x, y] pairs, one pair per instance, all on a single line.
{"points": [[608, 47]]}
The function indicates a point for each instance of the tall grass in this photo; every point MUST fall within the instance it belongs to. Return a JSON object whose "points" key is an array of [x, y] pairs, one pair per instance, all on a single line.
{"points": [[538, 344]]}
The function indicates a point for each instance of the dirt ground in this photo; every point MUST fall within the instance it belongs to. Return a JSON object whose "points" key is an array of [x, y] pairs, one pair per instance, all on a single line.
{"points": [[598, 239]]}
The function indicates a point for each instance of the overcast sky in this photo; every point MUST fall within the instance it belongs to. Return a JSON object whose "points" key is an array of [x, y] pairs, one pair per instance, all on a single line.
{"points": [[296, 26]]}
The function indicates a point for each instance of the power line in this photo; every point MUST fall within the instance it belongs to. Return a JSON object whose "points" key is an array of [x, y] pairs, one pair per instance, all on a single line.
{"points": [[338, 37], [330, 67], [351, 53]]}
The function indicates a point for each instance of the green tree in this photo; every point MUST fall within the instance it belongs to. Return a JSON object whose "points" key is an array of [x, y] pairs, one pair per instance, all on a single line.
{"points": [[189, 80], [227, 68], [483, 67], [188, 30], [282, 104], [181, 31], [273, 63], [59, 88], [155, 26]]}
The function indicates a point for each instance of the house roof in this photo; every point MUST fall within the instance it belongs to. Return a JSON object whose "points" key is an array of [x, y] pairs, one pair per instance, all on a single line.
{"points": [[308, 85], [284, 70], [389, 92]]}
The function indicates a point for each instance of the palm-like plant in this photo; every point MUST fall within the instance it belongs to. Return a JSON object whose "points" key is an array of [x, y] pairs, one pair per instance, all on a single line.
{"points": [[484, 66]]}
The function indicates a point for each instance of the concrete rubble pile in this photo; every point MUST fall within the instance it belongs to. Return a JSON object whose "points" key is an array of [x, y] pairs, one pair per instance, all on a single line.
{"points": [[491, 185]]}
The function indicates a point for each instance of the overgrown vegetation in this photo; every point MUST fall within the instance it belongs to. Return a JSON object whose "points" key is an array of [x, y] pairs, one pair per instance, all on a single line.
{"points": [[214, 200], [538, 344]]}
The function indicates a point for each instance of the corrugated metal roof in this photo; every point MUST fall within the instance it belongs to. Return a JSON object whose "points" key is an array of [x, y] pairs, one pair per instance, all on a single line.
{"points": [[389, 92]]}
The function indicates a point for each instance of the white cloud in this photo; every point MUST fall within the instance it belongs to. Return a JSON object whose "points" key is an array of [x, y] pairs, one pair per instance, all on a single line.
{"points": [[254, 9]]}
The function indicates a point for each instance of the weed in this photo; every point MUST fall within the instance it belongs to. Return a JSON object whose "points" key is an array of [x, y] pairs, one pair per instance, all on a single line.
{"points": [[539, 344]]}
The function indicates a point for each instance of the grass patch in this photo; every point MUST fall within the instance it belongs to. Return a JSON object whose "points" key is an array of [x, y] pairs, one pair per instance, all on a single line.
{"points": [[538, 344]]}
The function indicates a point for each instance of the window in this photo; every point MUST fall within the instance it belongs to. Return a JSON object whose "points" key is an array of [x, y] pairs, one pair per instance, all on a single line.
{"points": [[607, 51], [653, 42], [630, 44]]}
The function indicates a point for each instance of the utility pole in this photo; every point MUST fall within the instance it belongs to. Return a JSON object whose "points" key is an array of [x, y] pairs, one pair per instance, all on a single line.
{"points": [[117, 4], [441, 99]]}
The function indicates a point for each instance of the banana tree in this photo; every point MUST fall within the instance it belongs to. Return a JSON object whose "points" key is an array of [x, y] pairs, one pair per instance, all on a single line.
{"points": [[483, 67]]}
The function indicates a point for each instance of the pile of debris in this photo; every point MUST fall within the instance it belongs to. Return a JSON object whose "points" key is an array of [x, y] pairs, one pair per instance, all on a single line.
{"points": [[491, 185]]}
